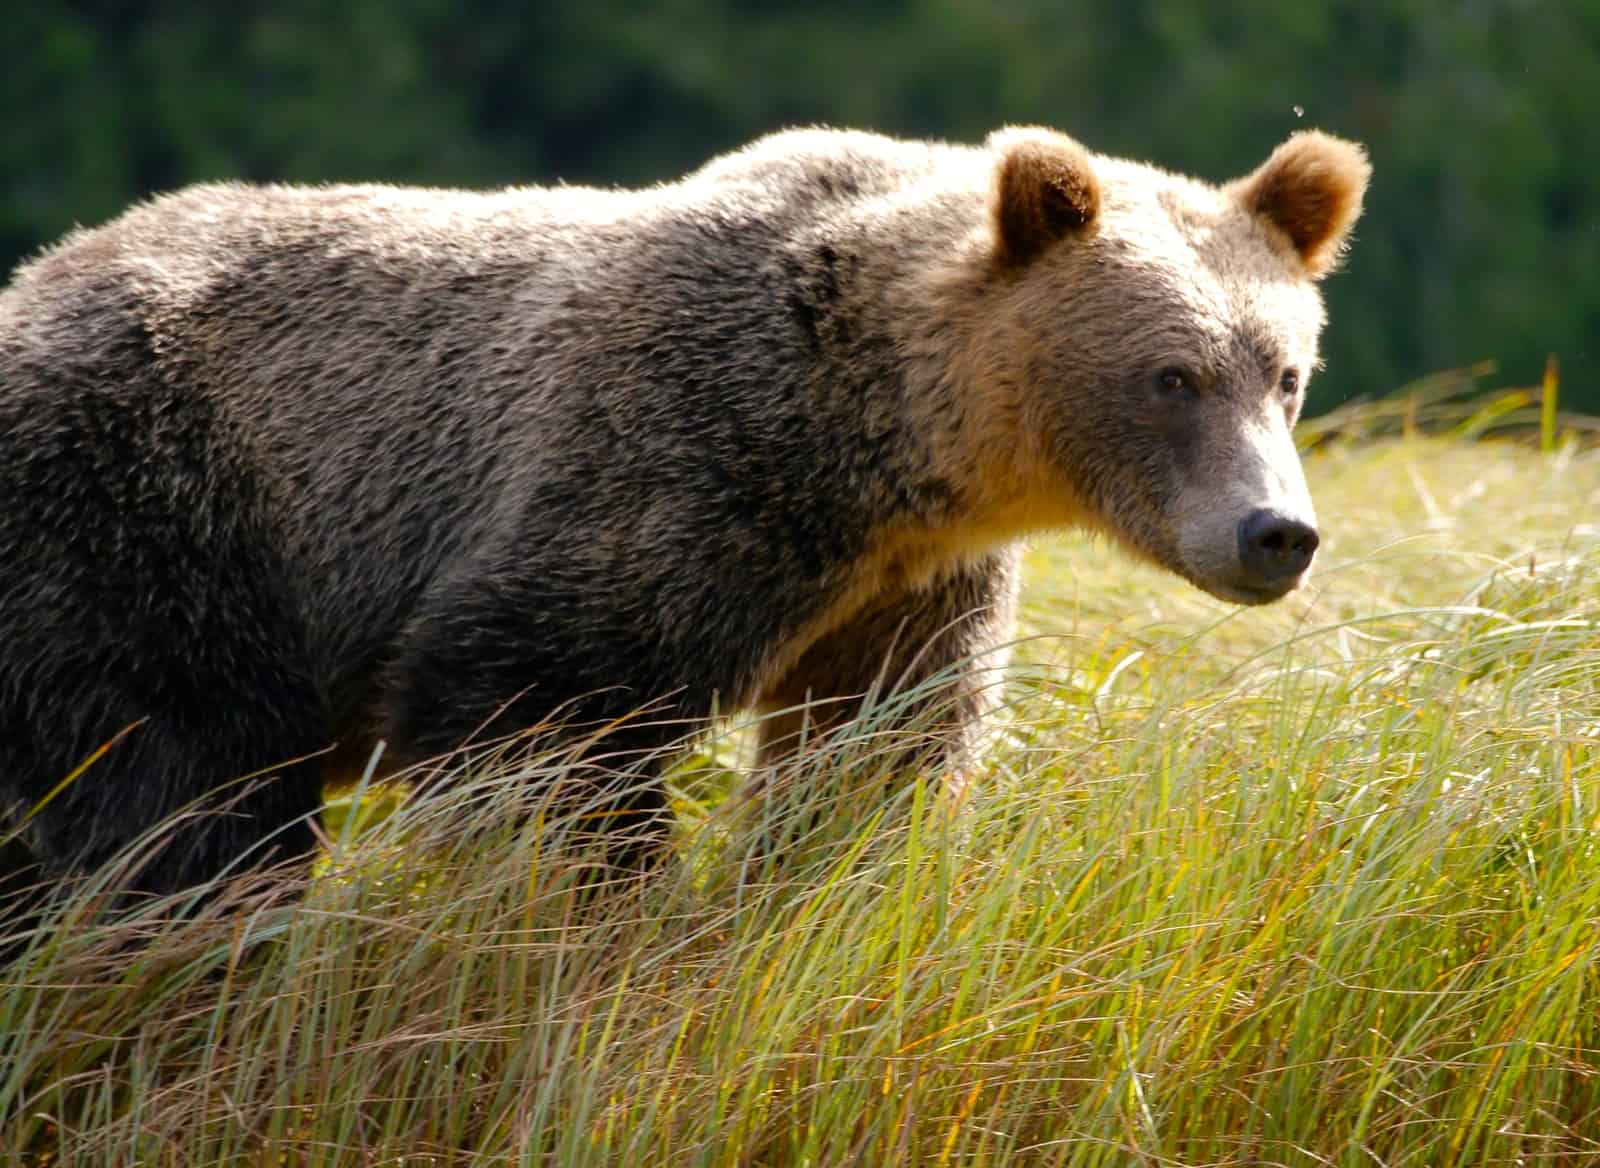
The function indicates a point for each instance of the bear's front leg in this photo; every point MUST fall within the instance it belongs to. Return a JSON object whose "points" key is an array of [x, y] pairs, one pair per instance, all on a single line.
{"points": [[925, 666], [498, 666]]}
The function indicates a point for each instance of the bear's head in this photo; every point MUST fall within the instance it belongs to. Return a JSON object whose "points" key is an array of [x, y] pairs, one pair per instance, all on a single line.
{"points": [[1153, 342]]}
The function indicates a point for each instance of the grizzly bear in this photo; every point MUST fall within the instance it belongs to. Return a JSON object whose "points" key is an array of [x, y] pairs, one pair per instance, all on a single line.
{"points": [[289, 468]]}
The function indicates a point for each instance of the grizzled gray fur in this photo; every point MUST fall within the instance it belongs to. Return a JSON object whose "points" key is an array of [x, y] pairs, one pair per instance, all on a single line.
{"points": [[285, 468]]}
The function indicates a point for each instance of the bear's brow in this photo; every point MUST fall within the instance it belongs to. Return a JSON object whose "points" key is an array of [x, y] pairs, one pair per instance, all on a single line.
{"points": [[1258, 349]]}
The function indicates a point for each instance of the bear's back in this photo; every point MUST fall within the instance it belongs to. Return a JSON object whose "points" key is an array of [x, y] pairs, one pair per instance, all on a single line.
{"points": [[395, 360]]}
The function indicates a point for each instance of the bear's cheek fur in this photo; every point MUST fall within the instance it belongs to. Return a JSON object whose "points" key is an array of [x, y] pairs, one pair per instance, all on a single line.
{"points": [[1126, 465], [1173, 481]]}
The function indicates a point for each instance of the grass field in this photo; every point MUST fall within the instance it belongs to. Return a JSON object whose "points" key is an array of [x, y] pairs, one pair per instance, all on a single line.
{"points": [[1314, 884]]}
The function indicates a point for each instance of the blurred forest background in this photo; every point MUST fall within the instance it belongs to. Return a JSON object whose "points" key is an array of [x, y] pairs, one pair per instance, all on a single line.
{"points": [[1481, 241]]}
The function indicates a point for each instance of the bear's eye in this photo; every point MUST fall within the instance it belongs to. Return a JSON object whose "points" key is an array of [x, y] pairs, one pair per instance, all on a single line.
{"points": [[1289, 383], [1175, 383]]}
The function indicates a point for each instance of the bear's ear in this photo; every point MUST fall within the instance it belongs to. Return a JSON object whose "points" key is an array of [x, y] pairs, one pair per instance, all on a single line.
{"points": [[1311, 189], [1044, 190]]}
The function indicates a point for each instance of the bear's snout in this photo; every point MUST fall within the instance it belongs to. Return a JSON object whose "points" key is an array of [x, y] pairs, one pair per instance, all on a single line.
{"points": [[1275, 549]]}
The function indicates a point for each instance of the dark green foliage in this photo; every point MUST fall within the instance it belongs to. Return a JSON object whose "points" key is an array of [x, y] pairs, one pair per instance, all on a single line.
{"points": [[1480, 238]]}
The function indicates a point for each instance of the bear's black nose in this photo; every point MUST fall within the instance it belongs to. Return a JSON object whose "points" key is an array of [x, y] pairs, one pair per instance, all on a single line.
{"points": [[1273, 547]]}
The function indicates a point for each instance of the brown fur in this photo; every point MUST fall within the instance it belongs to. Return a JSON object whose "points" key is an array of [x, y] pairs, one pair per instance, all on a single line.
{"points": [[285, 467], [1044, 190], [1311, 187]]}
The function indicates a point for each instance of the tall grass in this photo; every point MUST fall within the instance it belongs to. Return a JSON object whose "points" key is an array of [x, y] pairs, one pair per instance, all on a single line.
{"points": [[1314, 884]]}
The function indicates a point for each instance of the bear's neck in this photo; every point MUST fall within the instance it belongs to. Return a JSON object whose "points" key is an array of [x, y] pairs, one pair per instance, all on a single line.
{"points": [[915, 337]]}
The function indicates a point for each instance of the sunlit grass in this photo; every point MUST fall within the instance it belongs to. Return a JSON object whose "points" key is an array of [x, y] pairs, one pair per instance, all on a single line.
{"points": [[1312, 884]]}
